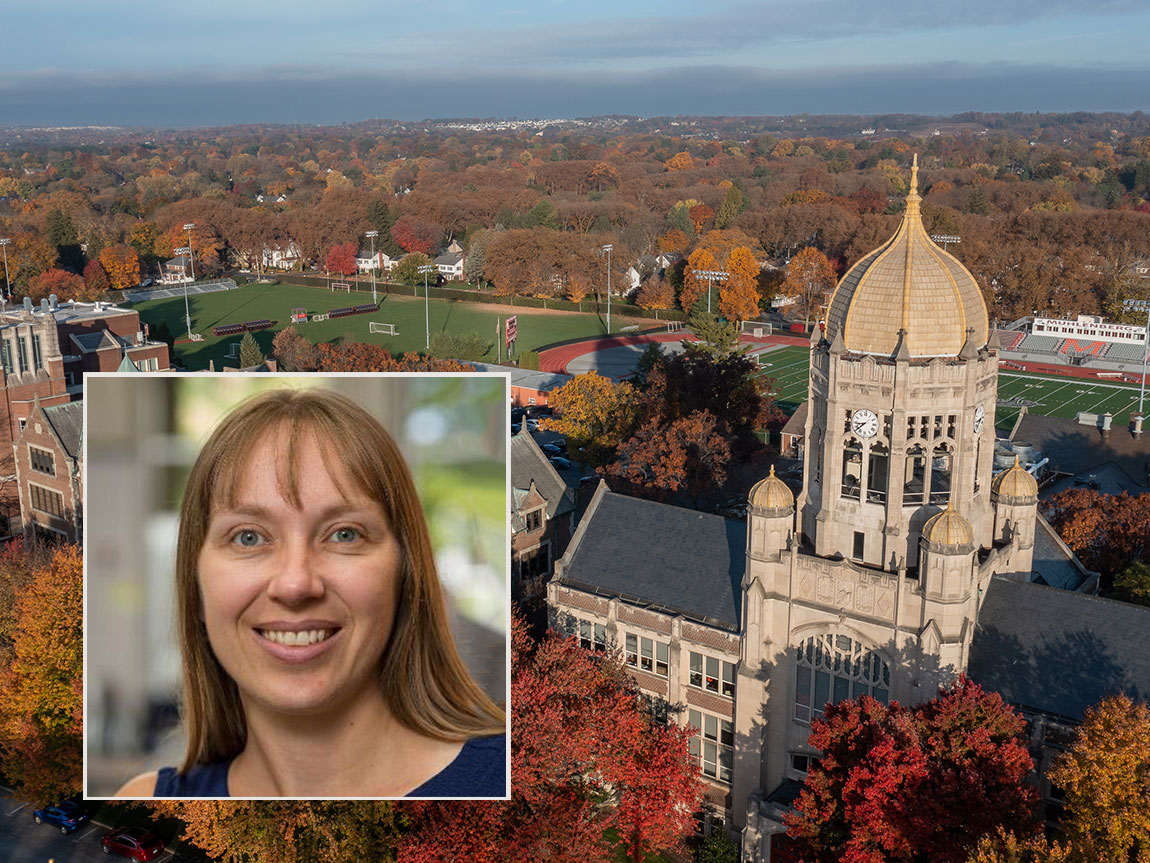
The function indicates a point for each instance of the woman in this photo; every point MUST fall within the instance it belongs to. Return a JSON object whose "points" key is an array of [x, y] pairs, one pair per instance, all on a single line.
{"points": [[316, 654]]}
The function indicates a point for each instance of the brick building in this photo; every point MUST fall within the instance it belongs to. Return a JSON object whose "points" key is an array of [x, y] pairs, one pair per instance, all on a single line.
{"points": [[48, 458], [542, 517]]}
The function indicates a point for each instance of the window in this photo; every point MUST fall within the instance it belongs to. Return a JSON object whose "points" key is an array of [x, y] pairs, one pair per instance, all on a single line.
{"points": [[800, 763], [833, 668], [22, 354], [37, 358], [6, 355], [647, 654], [42, 461], [534, 519], [708, 672], [46, 500], [535, 562], [712, 744], [860, 545], [592, 636]]}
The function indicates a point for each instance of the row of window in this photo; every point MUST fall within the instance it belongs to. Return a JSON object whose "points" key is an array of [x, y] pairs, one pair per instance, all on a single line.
{"points": [[712, 747], [42, 461], [28, 357], [717, 675], [834, 668], [647, 654], [46, 500]]}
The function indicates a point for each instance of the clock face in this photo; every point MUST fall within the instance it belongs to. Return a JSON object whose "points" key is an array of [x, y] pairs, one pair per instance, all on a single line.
{"points": [[864, 423], [979, 419]]}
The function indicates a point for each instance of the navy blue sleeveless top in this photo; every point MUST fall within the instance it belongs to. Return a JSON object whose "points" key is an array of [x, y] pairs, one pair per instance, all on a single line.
{"points": [[479, 770]]}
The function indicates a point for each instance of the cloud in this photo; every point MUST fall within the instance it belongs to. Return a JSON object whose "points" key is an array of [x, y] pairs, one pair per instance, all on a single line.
{"points": [[300, 94]]}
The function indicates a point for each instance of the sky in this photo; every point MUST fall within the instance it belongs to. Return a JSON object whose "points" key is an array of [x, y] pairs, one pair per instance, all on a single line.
{"points": [[217, 62]]}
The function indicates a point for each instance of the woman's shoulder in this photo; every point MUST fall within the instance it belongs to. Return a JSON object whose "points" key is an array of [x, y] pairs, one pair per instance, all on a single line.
{"points": [[203, 780], [143, 785], [479, 770]]}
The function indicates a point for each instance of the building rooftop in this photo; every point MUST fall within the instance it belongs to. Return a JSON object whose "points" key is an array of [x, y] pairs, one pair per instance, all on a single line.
{"points": [[528, 465], [68, 422], [1057, 651], [679, 560], [526, 378]]}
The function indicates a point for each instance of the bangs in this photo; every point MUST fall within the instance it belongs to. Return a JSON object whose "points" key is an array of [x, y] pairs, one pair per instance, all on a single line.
{"points": [[355, 462]]}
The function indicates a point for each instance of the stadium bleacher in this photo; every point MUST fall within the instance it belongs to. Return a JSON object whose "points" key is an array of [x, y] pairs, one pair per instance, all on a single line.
{"points": [[1009, 339], [166, 293], [1124, 352], [1039, 344], [1081, 348]]}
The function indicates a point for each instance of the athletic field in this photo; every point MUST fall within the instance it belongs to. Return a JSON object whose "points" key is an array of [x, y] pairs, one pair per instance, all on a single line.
{"points": [[1049, 396], [275, 302]]}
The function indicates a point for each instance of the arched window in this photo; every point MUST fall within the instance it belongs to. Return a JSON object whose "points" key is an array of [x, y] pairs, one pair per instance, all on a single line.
{"points": [[940, 469], [852, 469], [833, 668], [878, 464], [914, 482]]}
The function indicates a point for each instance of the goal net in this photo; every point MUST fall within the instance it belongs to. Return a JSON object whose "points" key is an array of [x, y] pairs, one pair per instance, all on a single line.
{"points": [[674, 326], [386, 329], [233, 351], [758, 329]]}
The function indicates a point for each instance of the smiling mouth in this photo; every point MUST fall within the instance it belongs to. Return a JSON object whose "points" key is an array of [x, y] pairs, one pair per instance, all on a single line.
{"points": [[300, 638]]}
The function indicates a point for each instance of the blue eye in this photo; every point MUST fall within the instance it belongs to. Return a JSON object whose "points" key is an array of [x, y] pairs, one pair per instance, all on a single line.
{"points": [[345, 534], [247, 539]]}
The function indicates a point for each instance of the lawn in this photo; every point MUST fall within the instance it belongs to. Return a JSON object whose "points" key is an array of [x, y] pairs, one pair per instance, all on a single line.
{"points": [[253, 302], [1048, 396]]}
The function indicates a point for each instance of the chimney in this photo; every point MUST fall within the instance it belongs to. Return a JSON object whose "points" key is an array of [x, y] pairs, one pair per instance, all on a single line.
{"points": [[44, 306], [54, 302], [27, 304]]}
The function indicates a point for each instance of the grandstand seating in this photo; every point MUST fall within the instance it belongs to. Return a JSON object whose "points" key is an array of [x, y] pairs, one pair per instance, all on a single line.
{"points": [[1081, 348], [1039, 344], [353, 310], [1124, 352], [1009, 339]]}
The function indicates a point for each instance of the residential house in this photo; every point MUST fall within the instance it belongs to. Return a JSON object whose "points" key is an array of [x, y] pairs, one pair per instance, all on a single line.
{"points": [[450, 266], [176, 271]]}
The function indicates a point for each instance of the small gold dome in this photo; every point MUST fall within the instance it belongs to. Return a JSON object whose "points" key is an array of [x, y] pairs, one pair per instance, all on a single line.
{"points": [[948, 528], [1015, 482], [771, 493], [909, 285]]}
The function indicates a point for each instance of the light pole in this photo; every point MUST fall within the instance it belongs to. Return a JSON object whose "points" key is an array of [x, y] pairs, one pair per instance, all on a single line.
{"points": [[712, 276], [1141, 306], [371, 235], [4, 244], [191, 258], [945, 239], [425, 269], [607, 248], [186, 250]]}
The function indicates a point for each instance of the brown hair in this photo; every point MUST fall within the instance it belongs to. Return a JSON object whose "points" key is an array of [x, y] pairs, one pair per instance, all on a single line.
{"points": [[423, 680]]}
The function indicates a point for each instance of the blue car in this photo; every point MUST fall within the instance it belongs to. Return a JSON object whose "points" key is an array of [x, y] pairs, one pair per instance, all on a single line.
{"points": [[66, 815]]}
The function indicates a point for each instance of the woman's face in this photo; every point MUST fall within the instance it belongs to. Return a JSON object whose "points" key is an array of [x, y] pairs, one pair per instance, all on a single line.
{"points": [[299, 602]]}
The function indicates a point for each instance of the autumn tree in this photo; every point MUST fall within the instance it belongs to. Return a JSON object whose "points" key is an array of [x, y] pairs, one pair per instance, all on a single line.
{"points": [[1107, 532], [1105, 778], [96, 282], [595, 414], [690, 456], [809, 278], [406, 272], [1004, 847], [592, 775], [122, 265], [695, 285], [916, 784], [288, 831], [680, 162], [739, 294], [655, 293], [673, 241], [730, 208], [41, 687], [417, 235], [341, 259], [65, 285]]}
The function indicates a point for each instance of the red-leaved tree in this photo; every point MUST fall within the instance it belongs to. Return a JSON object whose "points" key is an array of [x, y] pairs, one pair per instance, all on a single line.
{"points": [[62, 283], [417, 235], [586, 763], [913, 784], [341, 259]]}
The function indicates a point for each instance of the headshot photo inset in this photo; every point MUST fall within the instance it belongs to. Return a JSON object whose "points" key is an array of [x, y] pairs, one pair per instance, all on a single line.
{"points": [[296, 586]]}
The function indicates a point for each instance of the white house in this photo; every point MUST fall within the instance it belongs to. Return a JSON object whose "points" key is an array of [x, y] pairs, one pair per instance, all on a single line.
{"points": [[277, 258], [450, 266]]}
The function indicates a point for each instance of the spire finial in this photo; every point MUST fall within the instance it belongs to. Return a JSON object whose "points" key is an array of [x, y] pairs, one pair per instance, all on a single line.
{"points": [[913, 198], [772, 470]]}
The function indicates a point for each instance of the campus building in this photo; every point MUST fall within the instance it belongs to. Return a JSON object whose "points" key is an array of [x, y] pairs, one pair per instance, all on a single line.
{"points": [[48, 458], [869, 581]]}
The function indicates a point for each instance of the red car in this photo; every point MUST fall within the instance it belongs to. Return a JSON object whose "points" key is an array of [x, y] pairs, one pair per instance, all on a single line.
{"points": [[134, 842]]}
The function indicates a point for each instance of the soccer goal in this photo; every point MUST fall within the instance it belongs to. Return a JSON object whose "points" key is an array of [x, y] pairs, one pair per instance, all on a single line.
{"points": [[757, 329], [317, 318], [233, 351], [386, 329], [674, 326]]}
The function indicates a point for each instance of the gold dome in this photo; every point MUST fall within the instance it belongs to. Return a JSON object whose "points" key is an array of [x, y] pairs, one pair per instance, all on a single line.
{"points": [[1016, 482], [948, 528], [771, 493], [910, 285]]}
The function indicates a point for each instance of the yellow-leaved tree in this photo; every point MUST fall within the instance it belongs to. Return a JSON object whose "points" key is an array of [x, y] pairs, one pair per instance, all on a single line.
{"points": [[810, 277], [739, 295], [595, 414]]}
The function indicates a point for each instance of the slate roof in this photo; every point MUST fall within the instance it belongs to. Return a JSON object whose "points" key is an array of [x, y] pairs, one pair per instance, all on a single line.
{"points": [[797, 423], [684, 561], [1053, 561], [1058, 651], [67, 420], [528, 463], [449, 259], [88, 342]]}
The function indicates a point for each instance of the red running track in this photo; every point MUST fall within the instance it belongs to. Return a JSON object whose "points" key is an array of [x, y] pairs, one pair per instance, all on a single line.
{"points": [[556, 359]]}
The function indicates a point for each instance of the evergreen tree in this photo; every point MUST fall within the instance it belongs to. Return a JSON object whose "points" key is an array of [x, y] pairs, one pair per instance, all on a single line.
{"points": [[716, 336], [250, 353]]}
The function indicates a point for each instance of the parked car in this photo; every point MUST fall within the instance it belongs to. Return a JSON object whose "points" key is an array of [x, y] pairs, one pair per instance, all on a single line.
{"points": [[67, 815], [551, 449], [146, 283], [134, 842], [515, 428], [560, 462]]}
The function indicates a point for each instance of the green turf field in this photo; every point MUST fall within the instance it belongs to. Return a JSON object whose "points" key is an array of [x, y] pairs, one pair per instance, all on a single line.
{"points": [[254, 302], [1048, 396]]}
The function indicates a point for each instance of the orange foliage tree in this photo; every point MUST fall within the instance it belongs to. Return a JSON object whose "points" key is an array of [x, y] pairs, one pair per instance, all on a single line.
{"points": [[1107, 532], [42, 683], [739, 295], [595, 414], [689, 455], [65, 285], [680, 162], [123, 266], [809, 277]]}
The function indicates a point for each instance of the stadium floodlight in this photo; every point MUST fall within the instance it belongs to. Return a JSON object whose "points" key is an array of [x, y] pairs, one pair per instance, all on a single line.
{"points": [[1141, 306], [712, 276], [946, 239], [607, 248], [192, 263], [371, 235], [4, 244], [426, 269]]}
